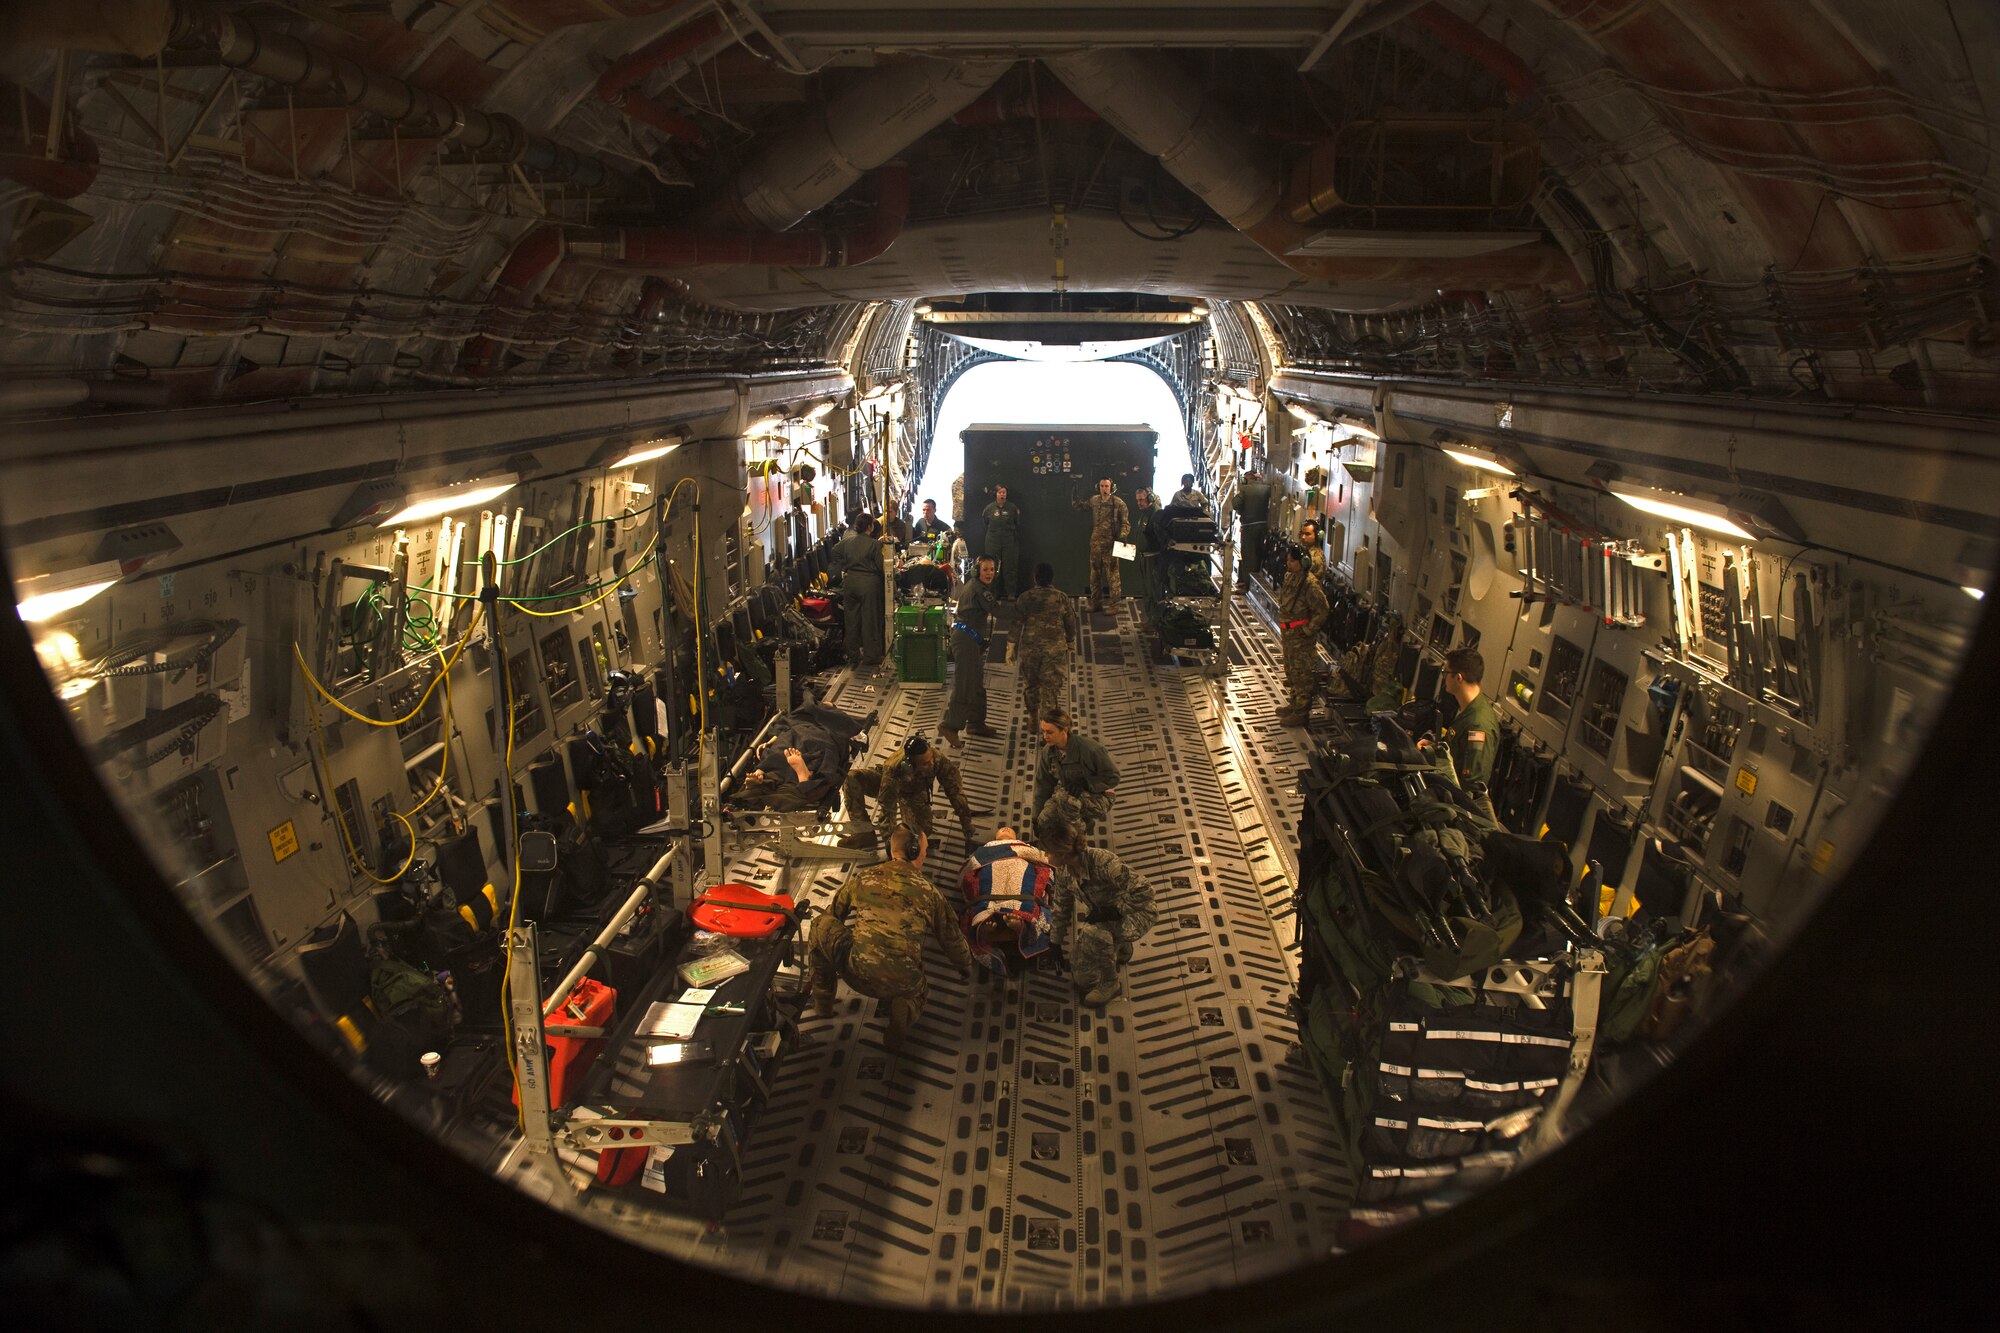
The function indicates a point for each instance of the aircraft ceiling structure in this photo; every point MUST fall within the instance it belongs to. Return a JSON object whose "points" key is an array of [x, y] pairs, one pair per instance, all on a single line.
{"points": [[213, 203]]}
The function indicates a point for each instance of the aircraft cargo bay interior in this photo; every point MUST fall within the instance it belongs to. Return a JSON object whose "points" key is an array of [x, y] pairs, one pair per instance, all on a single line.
{"points": [[542, 569]]}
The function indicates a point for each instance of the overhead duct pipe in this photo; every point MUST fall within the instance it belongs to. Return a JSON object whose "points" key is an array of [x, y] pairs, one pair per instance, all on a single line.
{"points": [[811, 163], [674, 248], [47, 395], [145, 27], [669, 249], [1150, 102]]}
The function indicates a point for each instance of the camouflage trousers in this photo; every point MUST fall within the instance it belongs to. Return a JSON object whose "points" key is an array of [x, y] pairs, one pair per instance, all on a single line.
{"points": [[1095, 953], [1068, 808], [893, 976], [863, 783], [1302, 680], [1103, 572], [1044, 679]]}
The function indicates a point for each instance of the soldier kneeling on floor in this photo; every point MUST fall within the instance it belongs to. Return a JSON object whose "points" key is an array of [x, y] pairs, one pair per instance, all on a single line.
{"points": [[903, 785], [1075, 779], [1101, 908], [872, 937]]}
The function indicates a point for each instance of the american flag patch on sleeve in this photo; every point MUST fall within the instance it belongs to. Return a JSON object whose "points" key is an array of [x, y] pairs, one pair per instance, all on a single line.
{"points": [[1475, 737]]}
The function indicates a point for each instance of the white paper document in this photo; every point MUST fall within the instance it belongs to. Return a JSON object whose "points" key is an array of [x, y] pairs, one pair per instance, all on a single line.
{"points": [[676, 1020]]}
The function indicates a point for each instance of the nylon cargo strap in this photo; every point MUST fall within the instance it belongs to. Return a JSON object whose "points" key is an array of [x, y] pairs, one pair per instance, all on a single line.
{"points": [[1586, 989]]}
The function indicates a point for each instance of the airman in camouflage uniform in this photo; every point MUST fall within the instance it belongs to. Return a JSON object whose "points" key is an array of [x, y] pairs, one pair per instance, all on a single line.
{"points": [[1302, 611], [1101, 908], [1045, 627], [1075, 779], [1109, 522], [872, 937], [1310, 539], [903, 786]]}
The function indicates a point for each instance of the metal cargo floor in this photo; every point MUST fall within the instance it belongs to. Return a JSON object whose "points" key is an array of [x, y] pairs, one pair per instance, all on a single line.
{"points": [[1022, 1152]]}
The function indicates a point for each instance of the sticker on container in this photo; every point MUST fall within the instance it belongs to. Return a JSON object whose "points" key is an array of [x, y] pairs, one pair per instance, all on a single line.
{"points": [[1822, 857], [1746, 782], [284, 841]]}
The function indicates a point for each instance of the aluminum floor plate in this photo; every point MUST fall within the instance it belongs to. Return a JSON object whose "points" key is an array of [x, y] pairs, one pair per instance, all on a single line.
{"points": [[1025, 1153]]}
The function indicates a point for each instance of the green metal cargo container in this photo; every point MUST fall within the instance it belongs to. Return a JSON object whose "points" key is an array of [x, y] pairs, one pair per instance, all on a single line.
{"points": [[920, 654], [920, 618]]}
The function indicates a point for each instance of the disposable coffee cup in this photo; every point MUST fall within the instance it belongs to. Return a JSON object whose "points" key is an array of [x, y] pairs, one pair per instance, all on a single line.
{"points": [[430, 1060]]}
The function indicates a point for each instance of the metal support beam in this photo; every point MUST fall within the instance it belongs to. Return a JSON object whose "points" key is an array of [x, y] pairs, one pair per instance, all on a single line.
{"points": [[711, 815], [530, 1049], [1586, 991], [1332, 35]]}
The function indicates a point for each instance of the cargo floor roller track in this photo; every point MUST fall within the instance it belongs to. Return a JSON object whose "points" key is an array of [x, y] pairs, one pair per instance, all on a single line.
{"points": [[1024, 1152]]}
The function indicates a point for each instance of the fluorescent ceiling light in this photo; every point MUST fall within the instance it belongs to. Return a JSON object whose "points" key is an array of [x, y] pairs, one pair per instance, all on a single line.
{"points": [[1484, 462], [48, 595], [820, 411], [446, 500], [1352, 429], [764, 425], [1976, 594], [645, 453], [1681, 509], [1302, 413]]}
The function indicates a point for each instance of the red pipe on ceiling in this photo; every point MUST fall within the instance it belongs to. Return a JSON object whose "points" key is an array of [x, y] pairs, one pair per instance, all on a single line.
{"points": [[656, 295], [616, 85], [1468, 40]]}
